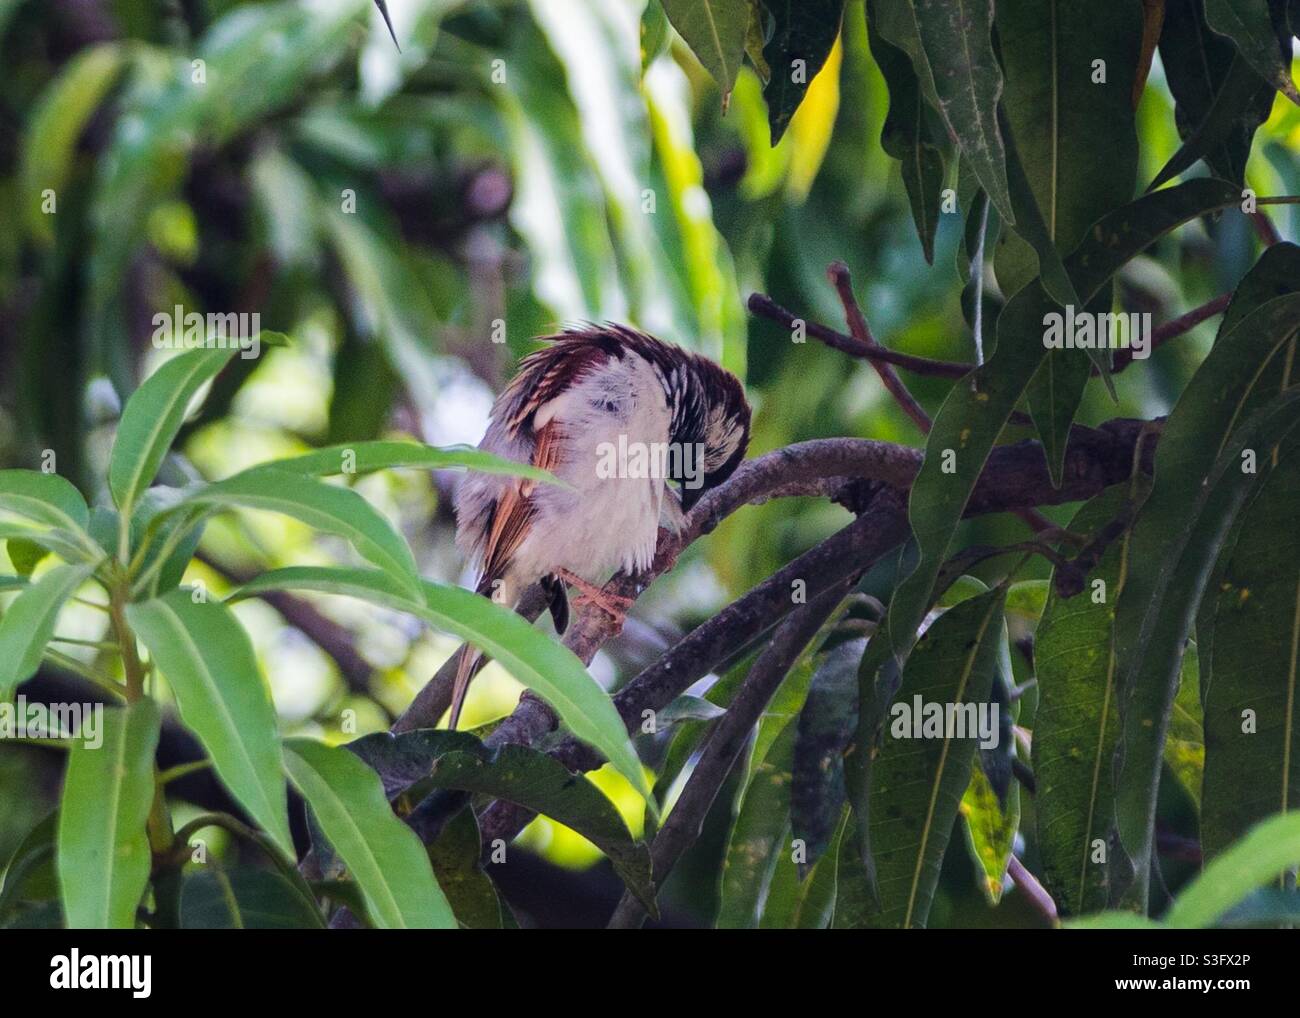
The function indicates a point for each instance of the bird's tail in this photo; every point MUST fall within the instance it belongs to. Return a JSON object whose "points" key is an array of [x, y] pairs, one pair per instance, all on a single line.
{"points": [[469, 658]]}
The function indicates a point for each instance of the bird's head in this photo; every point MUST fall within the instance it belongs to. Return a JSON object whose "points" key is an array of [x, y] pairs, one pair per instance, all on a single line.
{"points": [[714, 416]]}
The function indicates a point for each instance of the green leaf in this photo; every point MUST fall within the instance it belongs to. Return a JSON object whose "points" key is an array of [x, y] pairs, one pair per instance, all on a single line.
{"points": [[1276, 274], [28, 624], [906, 135], [56, 123], [826, 725], [1269, 848], [1032, 226], [1220, 100], [244, 899], [30, 874], [1077, 723], [802, 40], [1076, 141], [1149, 644], [208, 661], [103, 852], [367, 457], [687, 708], [715, 31], [326, 507], [1249, 24], [990, 828], [760, 835], [1253, 771], [48, 500], [152, 418], [383, 855], [11, 583], [814, 906], [975, 412], [917, 783], [25, 555], [456, 856], [528, 654], [1027, 599], [403, 759], [1185, 746], [951, 46], [541, 783]]}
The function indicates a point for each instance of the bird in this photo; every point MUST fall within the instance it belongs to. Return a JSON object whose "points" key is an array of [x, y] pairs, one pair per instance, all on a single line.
{"points": [[615, 414]]}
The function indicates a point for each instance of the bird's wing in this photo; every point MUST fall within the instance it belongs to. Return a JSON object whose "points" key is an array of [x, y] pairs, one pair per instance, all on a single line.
{"points": [[512, 515]]}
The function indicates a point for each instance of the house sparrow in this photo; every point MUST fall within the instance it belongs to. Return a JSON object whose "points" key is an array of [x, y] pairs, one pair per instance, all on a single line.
{"points": [[614, 413]]}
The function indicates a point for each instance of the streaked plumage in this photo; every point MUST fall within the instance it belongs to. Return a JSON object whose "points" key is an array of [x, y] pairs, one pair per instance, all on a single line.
{"points": [[571, 401]]}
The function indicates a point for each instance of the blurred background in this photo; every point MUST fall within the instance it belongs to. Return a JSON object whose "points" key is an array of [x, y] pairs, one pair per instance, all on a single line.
{"points": [[412, 220]]}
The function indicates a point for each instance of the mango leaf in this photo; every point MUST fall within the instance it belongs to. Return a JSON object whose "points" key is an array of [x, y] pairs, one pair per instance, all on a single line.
{"points": [[103, 852], [405, 758], [1149, 646], [60, 116], [1276, 274], [528, 654], [382, 854], [30, 874], [715, 31], [1055, 114], [25, 555], [28, 624], [1185, 746], [1249, 24], [814, 906], [826, 726], [922, 770], [244, 899], [975, 412], [456, 857], [68, 546], [990, 827], [152, 418], [951, 47], [49, 501], [760, 836], [804, 33], [1251, 713], [367, 457], [1220, 99], [326, 507], [544, 785], [687, 708], [177, 534], [906, 135], [1262, 854], [1077, 723], [208, 661]]}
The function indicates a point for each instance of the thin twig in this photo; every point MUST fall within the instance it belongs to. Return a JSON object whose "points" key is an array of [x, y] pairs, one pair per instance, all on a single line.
{"points": [[764, 306], [1173, 328], [1033, 891], [838, 273]]}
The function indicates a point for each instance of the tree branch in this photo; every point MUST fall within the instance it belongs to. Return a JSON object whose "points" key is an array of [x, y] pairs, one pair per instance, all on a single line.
{"points": [[726, 740]]}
